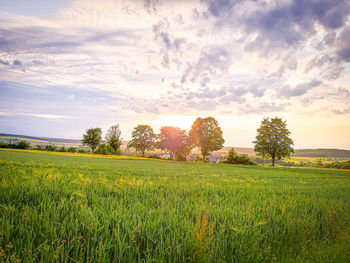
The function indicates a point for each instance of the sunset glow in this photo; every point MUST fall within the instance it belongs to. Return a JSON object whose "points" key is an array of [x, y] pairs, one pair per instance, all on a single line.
{"points": [[69, 65]]}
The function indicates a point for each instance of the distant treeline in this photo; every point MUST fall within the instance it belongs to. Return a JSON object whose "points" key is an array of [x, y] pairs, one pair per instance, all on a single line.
{"points": [[50, 148], [322, 153]]}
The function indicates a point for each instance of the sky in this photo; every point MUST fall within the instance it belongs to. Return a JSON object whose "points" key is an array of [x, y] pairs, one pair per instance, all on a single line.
{"points": [[68, 65]]}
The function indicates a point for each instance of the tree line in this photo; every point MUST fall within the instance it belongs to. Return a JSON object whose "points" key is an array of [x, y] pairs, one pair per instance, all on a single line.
{"points": [[272, 140]]}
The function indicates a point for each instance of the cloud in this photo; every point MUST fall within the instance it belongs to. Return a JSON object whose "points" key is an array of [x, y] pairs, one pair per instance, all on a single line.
{"points": [[16, 62], [47, 116], [343, 46], [4, 62], [300, 89]]}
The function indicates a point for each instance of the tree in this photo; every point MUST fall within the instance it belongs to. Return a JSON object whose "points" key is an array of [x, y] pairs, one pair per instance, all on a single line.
{"points": [[113, 138], [23, 145], [175, 141], [92, 138], [143, 138], [273, 139], [207, 135], [104, 149]]}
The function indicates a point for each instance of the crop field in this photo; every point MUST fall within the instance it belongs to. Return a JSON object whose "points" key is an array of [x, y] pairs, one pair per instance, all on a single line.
{"points": [[325, 160], [71, 208]]}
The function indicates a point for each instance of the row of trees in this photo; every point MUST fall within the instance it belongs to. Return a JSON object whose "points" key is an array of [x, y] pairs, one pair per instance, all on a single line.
{"points": [[271, 141], [111, 145], [205, 134]]}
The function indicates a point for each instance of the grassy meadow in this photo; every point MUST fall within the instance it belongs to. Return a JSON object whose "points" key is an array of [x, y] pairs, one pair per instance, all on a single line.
{"points": [[71, 208]]}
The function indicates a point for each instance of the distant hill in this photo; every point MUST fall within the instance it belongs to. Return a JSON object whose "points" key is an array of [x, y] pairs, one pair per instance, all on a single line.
{"points": [[57, 140], [322, 153], [14, 138]]}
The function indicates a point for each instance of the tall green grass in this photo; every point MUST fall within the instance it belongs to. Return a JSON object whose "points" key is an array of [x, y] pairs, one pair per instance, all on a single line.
{"points": [[78, 209]]}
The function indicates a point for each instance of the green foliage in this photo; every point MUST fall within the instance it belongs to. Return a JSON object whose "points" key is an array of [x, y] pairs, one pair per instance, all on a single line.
{"points": [[154, 156], [23, 145], [92, 138], [207, 135], [143, 138], [68, 209], [82, 151], [104, 149], [38, 147], [19, 145], [118, 152], [113, 138], [234, 158], [273, 139], [175, 141], [4, 145], [72, 150], [338, 165], [50, 148], [62, 149]]}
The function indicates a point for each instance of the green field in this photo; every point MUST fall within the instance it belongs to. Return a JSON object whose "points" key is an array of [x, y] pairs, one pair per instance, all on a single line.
{"points": [[80, 209]]}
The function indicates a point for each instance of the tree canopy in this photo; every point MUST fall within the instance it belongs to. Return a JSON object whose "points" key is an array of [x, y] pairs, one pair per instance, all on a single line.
{"points": [[273, 139], [113, 138], [207, 135], [175, 141], [92, 138], [143, 138]]}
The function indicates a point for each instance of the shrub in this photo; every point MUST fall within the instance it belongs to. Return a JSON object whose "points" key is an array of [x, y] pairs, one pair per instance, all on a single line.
{"points": [[62, 149], [104, 149], [154, 156], [23, 145], [82, 151], [72, 150], [234, 158], [4, 145], [50, 148], [119, 151], [38, 147]]}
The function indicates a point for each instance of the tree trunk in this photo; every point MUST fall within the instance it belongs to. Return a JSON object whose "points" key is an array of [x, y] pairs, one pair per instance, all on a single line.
{"points": [[273, 160], [143, 153], [203, 158]]}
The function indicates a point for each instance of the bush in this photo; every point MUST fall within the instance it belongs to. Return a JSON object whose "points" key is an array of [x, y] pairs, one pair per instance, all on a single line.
{"points": [[38, 147], [20, 145], [72, 150], [104, 149], [234, 158], [50, 148], [23, 145], [4, 145], [62, 149], [119, 152], [180, 157], [82, 151], [154, 156]]}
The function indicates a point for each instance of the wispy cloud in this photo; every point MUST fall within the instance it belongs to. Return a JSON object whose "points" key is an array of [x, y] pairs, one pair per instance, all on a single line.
{"points": [[108, 59], [46, 116]]}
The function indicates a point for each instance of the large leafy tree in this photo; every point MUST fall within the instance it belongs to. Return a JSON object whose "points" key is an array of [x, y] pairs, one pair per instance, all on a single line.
{"points": [[113, 138], [143, 139], [92, 138], [207, 135], [175, 141], [273, 139]]}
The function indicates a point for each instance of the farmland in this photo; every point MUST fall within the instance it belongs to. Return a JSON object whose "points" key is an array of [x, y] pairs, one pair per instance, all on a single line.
{"points": [[75, 208]]}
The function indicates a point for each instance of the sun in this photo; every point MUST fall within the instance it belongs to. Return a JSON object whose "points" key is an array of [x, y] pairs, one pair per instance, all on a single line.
{"points": [[183, 122]]}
